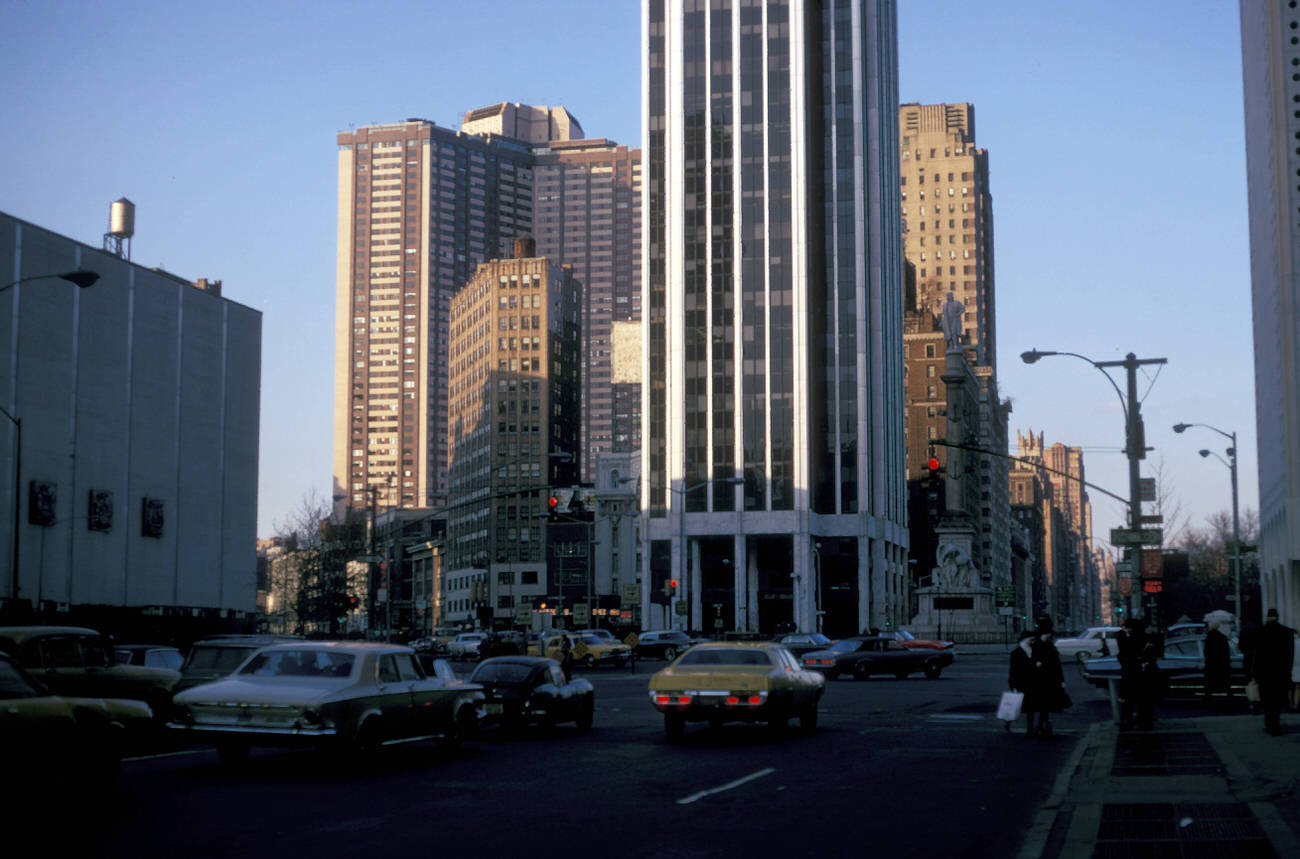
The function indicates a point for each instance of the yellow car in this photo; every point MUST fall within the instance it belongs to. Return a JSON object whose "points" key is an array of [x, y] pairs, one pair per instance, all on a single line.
{"points": [[587, 649], [736, 681]]}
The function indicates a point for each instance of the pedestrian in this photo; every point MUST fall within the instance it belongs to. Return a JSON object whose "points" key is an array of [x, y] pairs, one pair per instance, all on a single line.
{"points": [[1021, 677], [1048, 677], [566, 657], [1274, 656], [1216, 661], [1132, 640], [1148, 686], [1295, 674]]}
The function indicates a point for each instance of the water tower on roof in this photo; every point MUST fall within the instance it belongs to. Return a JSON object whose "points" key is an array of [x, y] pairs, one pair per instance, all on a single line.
{"points": [[121, 227]]}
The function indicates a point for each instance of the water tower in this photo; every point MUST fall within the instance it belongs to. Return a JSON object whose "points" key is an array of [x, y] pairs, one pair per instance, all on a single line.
{"points": [[121, 227]]}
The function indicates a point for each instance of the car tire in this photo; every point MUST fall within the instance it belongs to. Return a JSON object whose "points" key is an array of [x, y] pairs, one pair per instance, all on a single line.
{"points": [[588, 662], [808, 718], [587, 715], [232, 752], [861, 672], [932, 670], [463, 727], [670, 653], [674, 726], [368, 739]]}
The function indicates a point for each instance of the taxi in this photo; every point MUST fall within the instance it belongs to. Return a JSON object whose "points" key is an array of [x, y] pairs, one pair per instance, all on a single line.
{"points": [[735, 681], [585, 648]]}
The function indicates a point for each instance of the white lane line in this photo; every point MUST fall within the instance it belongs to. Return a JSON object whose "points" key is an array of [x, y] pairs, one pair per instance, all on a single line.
{"points": [[956, 717], [166, 755], [737, 783]]}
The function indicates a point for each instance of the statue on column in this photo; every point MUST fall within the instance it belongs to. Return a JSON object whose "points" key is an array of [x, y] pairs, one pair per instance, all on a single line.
{"points": [[951, 321]]}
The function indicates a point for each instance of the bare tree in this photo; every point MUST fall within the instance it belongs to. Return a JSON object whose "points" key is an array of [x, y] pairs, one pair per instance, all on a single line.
{"points": [[315, 573], [1167, 504]]}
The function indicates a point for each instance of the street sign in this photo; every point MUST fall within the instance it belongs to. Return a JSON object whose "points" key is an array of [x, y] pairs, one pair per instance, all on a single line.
{"points": [[682, 608], [632, 640], [1153, 563], [581, 614], [1136, 536], [1147, 488], [1154, 519], [1123, 566], [631, 594], [1125, 586], [1006, 610], [1005, 596], [523, 613]]}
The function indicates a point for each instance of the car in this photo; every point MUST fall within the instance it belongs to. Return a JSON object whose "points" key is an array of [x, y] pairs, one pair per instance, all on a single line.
{"points": [[1095, 641], [662, 644], [1181, 668], [586, 649], [799, 643], [864, 655], [150, 655], [519, 690], [56, 741], [911, 642], [719, 682], [342, 695], [213, 658], [466, 645], [79, 662]]}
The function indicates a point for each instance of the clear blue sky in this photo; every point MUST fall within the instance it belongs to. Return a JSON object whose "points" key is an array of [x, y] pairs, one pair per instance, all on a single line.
{"points": [[1114, 132]]}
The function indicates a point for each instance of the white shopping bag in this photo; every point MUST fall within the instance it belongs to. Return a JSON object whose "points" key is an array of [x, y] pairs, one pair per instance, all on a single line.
{"points": [[1009, 706]]}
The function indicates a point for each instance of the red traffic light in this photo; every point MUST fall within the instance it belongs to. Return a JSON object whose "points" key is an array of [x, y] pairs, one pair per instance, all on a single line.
{"points": [[932, 464], [673, 582], [553, 502]]}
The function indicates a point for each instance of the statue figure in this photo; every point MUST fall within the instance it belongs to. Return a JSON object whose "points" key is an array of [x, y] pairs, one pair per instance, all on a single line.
{"points": [[954, 571], [951, 321]]}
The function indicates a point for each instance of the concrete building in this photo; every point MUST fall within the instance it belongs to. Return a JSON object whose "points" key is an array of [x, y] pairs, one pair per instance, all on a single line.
{"points": [[948, 216], [514, 333], [132, 487], [1270, 50], [773, 473], [587, 214], [616, 539], [419, 207]]}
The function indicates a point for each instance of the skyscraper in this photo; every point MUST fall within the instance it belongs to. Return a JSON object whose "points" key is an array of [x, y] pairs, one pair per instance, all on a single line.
{"points": [[587, 214], [1270, 46], [948, 216], [419, 207], [773, 474]]}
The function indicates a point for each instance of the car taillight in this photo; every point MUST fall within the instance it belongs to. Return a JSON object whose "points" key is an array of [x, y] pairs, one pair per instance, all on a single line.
{"points": [[819, 662], [663, 700]]}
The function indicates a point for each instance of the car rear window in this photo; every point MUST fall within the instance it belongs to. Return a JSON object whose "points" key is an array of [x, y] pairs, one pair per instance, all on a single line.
{"points": [[501, 672], [299, 663], [217, 659], [725, 656]]}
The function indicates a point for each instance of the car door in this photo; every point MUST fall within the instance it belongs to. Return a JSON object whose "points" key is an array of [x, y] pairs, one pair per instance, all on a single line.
{"points": [[55, 660], [395, 697], [430, 699]]}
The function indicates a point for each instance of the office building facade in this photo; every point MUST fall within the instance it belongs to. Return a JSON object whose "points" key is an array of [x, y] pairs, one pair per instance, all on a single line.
{"points": [[773, 473]]}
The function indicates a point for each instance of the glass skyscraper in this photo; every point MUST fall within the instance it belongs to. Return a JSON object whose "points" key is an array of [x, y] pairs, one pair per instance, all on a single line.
{"points": [[773, 478]]}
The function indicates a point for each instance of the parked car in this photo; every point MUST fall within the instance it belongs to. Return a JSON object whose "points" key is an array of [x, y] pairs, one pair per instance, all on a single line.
{"points": [[59, 742], [799, 643], [149, 655], [217, 657], [865, 655], [736, 681], [466, 645], [78, 662], [334, 694], [911, 642], [662, 644], [519, 690], [1181, 668], [1096, 641]]}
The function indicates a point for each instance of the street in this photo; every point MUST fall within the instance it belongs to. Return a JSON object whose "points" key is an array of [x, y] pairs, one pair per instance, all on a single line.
{"points": [[917, 766]]}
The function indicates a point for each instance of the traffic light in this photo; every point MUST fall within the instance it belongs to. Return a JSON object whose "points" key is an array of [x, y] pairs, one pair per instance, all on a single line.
{"points": [[670, 587], [931, 482], [558, 506], [353, 602]]}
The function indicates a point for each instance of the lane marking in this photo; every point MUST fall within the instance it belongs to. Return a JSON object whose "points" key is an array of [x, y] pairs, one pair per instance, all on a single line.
{"points": [[737, 783], [956, 717], [166, 755]]}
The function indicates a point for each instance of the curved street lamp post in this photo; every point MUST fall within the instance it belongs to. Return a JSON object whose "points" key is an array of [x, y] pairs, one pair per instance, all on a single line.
{"points": [[81, 278], [1231, 462]]}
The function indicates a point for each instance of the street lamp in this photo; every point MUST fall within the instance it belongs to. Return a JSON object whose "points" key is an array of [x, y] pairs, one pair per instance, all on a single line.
{"points": [[726, 481], [1231, 462], [1134, 437], [82, 278]]}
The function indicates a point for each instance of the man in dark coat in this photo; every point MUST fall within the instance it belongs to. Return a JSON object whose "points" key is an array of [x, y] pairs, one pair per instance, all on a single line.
{"points": [[1021, 677], [1048, 679], [1132, 641], [1216, 661], [1274, 652]]}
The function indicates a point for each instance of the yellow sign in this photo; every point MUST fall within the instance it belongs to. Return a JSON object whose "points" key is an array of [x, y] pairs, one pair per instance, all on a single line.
{"points": [[580, 651], [632, 639]]}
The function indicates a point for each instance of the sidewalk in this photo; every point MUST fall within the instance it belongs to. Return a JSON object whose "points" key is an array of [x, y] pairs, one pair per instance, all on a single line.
{"points": [[1214, 786]]}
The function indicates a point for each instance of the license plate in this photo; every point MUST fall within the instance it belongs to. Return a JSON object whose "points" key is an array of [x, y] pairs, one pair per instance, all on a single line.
{"points": [[493, 709]]}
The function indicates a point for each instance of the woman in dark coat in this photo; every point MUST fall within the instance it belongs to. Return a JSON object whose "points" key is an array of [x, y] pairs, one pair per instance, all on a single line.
{"points": [[1216, 661], [1021, 678], [1048, 678]]}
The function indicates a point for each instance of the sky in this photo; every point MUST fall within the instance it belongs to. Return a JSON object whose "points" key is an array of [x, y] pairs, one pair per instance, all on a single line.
{"points": [[1114, 131]]}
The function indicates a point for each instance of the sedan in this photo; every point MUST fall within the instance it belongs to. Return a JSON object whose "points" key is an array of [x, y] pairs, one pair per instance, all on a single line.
{"points": [[61, 742], [466, 645], [662, 644], [1097, 641], [864, 655], [519, 690], [799, 643], [736, 681], [347, 695], [149, 655], [911, 642], [1182, 667]]}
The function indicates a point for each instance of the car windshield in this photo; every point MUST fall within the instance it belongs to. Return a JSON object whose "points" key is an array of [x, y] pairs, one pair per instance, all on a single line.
{"points": [[299, 663], [501, 672], [848, 645], [217, 659], [904, 635], [13, 684], [725, 656], [594, 639]]}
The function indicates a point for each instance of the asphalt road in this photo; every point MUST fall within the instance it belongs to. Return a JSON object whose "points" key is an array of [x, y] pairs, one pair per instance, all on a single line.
{"points": [[911, 767]]}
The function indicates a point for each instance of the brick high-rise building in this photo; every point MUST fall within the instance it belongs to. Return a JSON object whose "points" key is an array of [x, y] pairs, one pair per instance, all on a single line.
{"points": [[513, 404], [587, 214], [419, 207], [948, 216], [773, 473]]}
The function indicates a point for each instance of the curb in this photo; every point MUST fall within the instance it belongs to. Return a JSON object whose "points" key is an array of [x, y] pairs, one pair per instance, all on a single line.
{"points": [[1040, 831]]}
